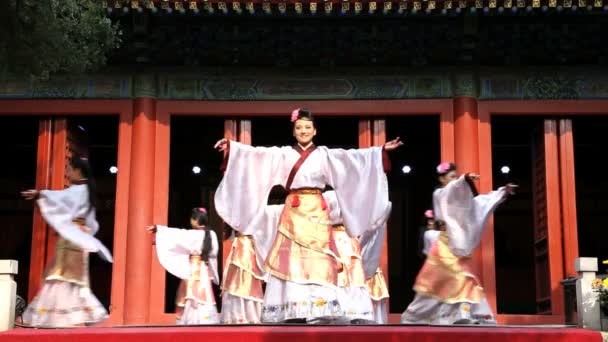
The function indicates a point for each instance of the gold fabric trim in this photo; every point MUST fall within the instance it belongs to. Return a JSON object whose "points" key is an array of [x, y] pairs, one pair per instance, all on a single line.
{"points": [[242, 276], [305, 191], [447, 277], [377, 286], [351, 273]]}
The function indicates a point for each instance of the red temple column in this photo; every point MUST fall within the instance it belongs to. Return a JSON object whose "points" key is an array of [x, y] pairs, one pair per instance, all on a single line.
{"points": [[466, 147], [141, 186]]}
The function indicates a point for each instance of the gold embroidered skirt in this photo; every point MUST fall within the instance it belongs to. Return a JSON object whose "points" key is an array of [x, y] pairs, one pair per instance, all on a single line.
{"points": [[303, 251], [243, 277], [448, 278], [65, 298], [351, 271], [195, 301], [377, 286]]}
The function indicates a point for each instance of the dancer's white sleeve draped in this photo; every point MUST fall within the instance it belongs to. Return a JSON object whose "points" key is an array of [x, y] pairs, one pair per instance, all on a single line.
{"points": [[361, 187], [174, 247], [465, 215], [250, 175], [60, 208]]}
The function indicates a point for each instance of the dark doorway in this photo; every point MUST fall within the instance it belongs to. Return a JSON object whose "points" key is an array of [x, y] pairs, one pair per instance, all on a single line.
{"points": [[590, 147], [19, 140], [512, 161], [194, 175], [411, 183]]}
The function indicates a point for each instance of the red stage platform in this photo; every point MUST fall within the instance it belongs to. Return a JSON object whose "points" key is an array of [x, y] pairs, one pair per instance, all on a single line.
{"points": [[395, 333]]}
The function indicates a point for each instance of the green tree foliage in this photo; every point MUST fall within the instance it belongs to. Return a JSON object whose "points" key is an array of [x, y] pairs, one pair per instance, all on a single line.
{"points": [[40, 38]]}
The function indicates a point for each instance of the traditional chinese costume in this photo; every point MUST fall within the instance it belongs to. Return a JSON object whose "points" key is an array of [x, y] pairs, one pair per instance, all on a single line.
{"points": [[65, 298], [447, 290], [302, 261], [179, 252]]}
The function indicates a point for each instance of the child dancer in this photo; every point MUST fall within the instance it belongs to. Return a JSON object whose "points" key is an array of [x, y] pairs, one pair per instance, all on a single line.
{"points": [[430, 233], [65, 298], [191, 255], [447, 291]]}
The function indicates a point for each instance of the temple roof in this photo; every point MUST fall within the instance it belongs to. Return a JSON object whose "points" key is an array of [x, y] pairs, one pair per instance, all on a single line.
{"points": [[355, 7]]}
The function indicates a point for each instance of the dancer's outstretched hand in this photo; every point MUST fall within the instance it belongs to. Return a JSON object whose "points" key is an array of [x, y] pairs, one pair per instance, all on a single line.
{"points": [[393, 144], [221, 145], [473, 176], [510, 187], [30, 194]]}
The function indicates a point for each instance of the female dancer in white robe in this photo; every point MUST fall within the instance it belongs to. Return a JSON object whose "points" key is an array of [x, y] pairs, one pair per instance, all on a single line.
{"points": [[65, 299], [302, 262], [191, 255], [447, 291]]}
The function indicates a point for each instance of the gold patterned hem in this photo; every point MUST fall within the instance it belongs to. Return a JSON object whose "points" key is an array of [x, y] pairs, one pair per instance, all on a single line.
{"points": [[253, 299], [457, 273], [204, 302], [425, 292], [245, 269], [293, 238], [300, 281], [78, 282], [284, 262]]}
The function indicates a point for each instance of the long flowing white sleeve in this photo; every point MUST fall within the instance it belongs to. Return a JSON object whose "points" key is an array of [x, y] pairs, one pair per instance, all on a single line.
{"points": [[265, 230], [361, 187], [371, 241], [371, 250], [465, 216], [60, 208], [250, 175], [174, 247]]}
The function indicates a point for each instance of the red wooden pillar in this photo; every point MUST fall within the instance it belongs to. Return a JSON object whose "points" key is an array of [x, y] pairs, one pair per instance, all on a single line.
{"points": [[141, 189], [488, 273], [568, 198], [121, 218], [553, 233], [58, 174], [40, 229], [162, 143], [466, 146], [373, 133]]}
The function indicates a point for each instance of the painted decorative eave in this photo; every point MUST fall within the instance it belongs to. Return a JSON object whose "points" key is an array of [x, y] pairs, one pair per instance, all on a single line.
{"points": [[485, 84], [353, 7]]}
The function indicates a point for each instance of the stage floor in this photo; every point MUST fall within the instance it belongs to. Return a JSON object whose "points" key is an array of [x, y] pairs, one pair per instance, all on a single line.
{"points": [[308, 333]]}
